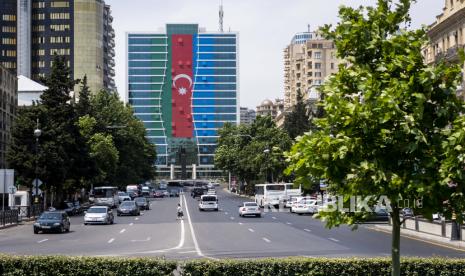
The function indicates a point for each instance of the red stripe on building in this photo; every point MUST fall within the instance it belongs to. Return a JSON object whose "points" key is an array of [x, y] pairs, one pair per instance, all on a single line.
{"points": [[182, 85]]}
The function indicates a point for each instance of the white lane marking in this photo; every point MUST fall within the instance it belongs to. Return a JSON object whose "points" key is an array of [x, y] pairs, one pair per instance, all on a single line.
{"points": [[141, 213], [41, 241], [266, 240], [333, 239], [288, 223], [251, 230], [307, 230], [146, 240], [111, 240], [240, 223], [231, 217], [122, 231], [187, 252], [225, 213], [194, 239], [273, 217], [136, 218], [131, 224]]}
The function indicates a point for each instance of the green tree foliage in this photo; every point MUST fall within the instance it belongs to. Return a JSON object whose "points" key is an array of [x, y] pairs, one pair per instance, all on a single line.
{"points": [[387, 115], [297, 122], [83, 106], [241, 150]]}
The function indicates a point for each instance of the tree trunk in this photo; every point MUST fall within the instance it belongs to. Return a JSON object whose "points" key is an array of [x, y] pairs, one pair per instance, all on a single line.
{"points": [[395, 250]]}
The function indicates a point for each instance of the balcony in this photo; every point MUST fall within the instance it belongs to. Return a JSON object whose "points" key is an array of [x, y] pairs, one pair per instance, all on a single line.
{"points": [[451, 54]]}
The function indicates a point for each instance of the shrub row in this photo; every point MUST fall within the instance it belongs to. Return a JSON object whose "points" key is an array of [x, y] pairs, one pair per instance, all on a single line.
{"points": [[61, 265]]}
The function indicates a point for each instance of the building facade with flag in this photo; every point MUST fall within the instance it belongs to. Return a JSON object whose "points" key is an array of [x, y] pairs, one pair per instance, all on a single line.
{"points": [[183, 84]]}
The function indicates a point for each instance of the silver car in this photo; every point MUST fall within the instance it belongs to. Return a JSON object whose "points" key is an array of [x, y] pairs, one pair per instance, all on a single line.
{"points": [[99, 215]]}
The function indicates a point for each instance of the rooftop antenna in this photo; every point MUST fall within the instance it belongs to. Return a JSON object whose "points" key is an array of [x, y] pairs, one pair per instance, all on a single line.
{"points": [[308, 26], [221, 14]]}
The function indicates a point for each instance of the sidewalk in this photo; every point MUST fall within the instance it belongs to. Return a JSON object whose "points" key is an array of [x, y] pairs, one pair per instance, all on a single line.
{"points": [[22, 222], [244, 196], [421, 236]]}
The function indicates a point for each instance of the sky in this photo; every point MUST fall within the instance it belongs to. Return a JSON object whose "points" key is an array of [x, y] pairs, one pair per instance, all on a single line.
{"points": [[265, 28]]}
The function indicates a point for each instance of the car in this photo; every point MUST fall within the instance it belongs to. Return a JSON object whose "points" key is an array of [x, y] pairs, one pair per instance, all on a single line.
{"points": [[198, 191], [250, 209], [57, 221], [208, 202], [146, 191], [99, 215], [379, 214], [69, 208], [210, 186], [142, 203], [306, 206], [128, 208], [174, 193], [165, 193], [78, 208], [123, 197], [299, 198], [407, 212], [292, 200], [211, 192], [158, 194]]}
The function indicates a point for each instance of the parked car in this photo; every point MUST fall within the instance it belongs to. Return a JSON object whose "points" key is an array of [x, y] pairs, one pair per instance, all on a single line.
{"points": [[99, 214], [142, 203], [128, 208], [78, 208], [407, 212], [68, 207], [123, 197], [208, 202], [306, 206], [57, 221], [250, 209], [379, 214]]}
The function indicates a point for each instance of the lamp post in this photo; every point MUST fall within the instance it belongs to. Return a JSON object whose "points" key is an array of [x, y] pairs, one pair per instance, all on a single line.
{"points": [[267, 152], [37, 133]]}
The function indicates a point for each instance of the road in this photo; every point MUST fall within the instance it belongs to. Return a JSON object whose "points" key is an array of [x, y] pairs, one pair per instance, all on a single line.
{"points": [[220, 234]]}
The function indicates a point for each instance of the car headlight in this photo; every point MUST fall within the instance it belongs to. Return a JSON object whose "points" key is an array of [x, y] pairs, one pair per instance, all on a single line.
{"points": [[56, 224]]}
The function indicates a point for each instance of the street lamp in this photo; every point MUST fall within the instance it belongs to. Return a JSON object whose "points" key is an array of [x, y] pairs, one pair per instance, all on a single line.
{"points": [[37, 133], [267, 151]]}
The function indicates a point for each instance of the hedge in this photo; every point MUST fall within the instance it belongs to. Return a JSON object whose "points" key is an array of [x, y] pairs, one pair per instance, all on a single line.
{"points": [[324, 266], [109, 266], [91, 266]]}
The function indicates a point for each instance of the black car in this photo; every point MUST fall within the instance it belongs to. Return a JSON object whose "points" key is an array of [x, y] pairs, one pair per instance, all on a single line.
{"points": [[56, 221], [198, 191], [142, 203], [128, 208], [174, 192], [78, 208], [68, 207]]}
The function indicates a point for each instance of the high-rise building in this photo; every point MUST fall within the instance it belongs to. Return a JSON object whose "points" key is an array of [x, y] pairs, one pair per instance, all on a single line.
{"points": [[247, 116], [308, 60], [447, 37], [8, 104], [183, 84], [79, 30], [8, 31]]}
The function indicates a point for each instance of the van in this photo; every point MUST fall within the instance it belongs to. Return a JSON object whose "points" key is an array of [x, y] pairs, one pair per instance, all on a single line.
{"points": [[208, 202]]}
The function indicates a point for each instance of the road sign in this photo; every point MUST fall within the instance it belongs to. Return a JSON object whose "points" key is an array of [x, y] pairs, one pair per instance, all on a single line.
{"points": [[39, 192], [12, 190], [36, 182]]}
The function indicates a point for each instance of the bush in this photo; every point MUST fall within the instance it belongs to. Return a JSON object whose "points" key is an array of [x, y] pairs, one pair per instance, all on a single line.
{"points": [[324, 266], [61, 265]]}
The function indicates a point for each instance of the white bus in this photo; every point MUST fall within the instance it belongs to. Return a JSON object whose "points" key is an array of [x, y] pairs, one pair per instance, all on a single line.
{"points": [[107, 196], [275, 193]]}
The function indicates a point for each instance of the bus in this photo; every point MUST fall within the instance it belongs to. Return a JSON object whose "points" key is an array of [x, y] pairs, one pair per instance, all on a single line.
{"points": [[107, 196], [275, 193]]}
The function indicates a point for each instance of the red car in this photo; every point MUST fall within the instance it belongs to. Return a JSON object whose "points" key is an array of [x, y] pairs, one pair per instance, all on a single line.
{"points": [[158, 194]]}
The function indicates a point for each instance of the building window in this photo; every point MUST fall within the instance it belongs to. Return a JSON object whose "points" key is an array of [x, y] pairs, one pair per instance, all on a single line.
{"points": [[317, 55], [317, 65], [60, 39], [38, 5], [40, 52], [38, 64], [317, 74], [59, 28], [59, 15], [9, 17], [9, 29], [60, 52], [332, 65], [38, 40], [8, 41], [9, 53], [38, 28], [59, 4], [38, 16]]}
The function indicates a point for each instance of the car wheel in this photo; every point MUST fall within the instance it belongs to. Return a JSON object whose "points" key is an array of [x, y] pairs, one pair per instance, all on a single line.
{"points": [[85, 223], [69, 228], [259, 215], [118, 215], [300, 214], [112, 221], [36, 231], [62, 229]]}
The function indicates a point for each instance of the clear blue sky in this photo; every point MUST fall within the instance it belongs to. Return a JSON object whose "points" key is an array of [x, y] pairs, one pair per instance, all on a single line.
{"points": [[265, 27]]}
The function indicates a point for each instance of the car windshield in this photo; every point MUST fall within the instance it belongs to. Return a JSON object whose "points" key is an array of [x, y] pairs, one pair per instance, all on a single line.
{"points": [[127, 204], [51, 216], [209, 198], [97, 210], [252, 204]]}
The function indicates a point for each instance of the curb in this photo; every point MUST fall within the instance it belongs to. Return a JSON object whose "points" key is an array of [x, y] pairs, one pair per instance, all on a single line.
{"points": [[410, 234], [244, 196]]}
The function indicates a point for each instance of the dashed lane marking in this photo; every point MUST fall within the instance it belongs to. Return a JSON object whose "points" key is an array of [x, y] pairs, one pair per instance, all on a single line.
{"points": [[122, 231], [288, 223], [273, 217], [307, 230], [41, 241], [251, 230], [240, 223], [111, 240], [136, 218], [231, 217], [266, 240], [131, 224], [333, 239]]}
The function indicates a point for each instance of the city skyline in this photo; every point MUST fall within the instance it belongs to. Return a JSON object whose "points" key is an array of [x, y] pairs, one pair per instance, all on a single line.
{"points": [[262, 38]]}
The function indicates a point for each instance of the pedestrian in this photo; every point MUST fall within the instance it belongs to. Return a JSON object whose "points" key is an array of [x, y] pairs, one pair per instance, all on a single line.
{"points": [[180, 212]]}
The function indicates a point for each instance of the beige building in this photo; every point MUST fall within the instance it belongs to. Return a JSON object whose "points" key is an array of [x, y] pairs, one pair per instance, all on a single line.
{"points": [[307, 63], [269, 108], [447, 35]]}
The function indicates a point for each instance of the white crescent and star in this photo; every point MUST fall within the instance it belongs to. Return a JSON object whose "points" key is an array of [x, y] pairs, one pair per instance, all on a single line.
{"points": [[182, 90]]}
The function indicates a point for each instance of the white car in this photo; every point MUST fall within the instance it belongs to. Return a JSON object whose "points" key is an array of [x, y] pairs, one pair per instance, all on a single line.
{"points": [[296, 200], [250, 209], [292, 201], [208, 202], [306, 206], [123, 197], [99, 214]]}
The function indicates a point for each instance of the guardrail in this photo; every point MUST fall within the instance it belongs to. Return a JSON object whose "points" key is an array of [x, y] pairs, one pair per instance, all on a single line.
{"points": [[9, 217], [441, 228]]}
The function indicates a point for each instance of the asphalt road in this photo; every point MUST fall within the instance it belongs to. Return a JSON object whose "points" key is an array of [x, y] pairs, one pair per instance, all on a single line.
{"points": [[220, 234]]}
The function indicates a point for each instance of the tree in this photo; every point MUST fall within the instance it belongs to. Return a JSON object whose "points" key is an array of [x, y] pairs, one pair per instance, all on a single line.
{"points": [[83, 106], [386, 115], [297, 122]]}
